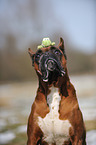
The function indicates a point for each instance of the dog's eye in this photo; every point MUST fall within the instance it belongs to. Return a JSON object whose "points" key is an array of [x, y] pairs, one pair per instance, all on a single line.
{"points": [[38, 55], [57, 52]]}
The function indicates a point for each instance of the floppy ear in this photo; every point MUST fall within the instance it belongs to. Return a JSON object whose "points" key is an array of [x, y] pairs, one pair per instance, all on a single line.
{"points": [[61, 46], [32, 54]]}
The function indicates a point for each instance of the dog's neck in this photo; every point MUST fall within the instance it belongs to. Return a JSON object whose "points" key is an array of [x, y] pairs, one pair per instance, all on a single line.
{"points": [[61, 84]]}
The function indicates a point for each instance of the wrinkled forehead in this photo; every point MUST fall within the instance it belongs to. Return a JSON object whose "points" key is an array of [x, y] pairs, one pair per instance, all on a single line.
{"points": [[45, 49]]}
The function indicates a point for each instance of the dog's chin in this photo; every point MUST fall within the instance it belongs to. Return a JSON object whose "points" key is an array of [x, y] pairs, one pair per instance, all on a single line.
{"points": [[52, 76]]}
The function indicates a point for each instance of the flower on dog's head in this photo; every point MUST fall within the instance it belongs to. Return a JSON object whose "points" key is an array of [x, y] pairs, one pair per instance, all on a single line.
{"points": [[46, 42]]}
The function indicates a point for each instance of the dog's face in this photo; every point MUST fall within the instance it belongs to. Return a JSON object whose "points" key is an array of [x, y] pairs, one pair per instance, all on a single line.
{"points": [[49, 62]]}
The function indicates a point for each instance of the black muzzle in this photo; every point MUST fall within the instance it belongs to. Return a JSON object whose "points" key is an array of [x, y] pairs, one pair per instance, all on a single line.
{"points": [[49, 64]]}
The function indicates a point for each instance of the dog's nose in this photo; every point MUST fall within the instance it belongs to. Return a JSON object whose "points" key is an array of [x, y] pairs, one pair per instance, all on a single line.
{"points": [[51, 65]]}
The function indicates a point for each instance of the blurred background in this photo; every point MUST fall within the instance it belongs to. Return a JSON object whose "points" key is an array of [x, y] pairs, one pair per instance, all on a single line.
{"points": [[23, 24]]}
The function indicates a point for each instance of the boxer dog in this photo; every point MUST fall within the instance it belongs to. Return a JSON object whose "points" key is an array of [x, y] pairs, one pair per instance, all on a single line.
{"points": [[55, 117]]}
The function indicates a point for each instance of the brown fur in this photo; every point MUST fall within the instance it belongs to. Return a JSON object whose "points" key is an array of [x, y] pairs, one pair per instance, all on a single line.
{"points": [[68, 108]]}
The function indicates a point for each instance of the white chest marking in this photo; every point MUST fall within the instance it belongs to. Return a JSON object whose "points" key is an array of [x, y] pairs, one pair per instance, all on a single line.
{"points": [[54, 129]]}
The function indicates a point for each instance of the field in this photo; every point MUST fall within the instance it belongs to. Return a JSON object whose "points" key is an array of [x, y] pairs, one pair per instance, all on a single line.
{"points": [[16, 100]]}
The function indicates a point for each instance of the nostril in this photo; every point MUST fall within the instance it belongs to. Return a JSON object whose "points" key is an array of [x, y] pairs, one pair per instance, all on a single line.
{"points": [[51, 65]]}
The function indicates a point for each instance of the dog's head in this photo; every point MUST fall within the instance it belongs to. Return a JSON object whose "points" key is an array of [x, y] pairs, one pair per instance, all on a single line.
{"points": [[49, 62]]}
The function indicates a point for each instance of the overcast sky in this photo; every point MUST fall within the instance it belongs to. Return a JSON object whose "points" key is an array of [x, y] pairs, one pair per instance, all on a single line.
{"points": [[76, 18]]}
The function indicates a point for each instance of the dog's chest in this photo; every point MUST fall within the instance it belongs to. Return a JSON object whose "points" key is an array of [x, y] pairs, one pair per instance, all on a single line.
{"points": [[54, 129]]}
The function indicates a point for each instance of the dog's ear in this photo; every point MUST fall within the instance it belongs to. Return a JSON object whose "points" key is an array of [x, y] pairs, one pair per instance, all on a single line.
{"points": [[32, 54], [61, 46]]}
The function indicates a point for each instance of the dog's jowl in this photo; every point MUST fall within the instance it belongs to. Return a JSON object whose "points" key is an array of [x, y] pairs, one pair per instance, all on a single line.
{"points": [[55, 117]]}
